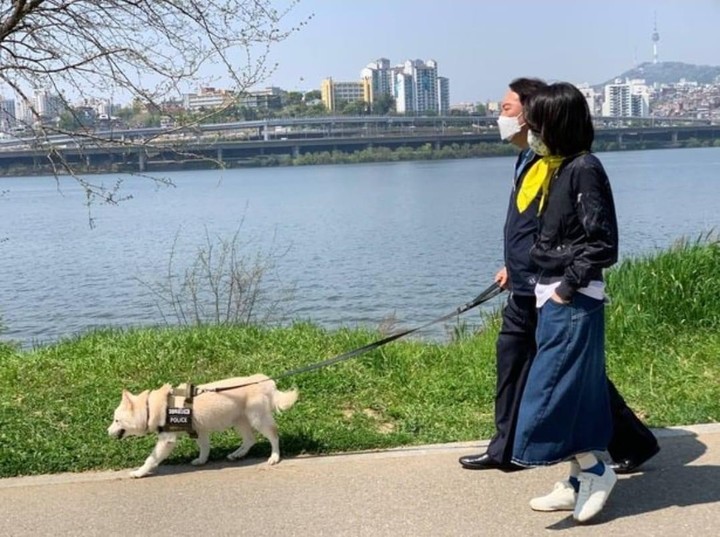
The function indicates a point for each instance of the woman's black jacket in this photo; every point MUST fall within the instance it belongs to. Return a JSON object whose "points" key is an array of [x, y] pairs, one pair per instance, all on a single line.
{"points": [[578, 235]]}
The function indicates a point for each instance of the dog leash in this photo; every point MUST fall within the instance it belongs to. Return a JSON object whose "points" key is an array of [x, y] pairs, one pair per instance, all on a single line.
{"points": [[491, 292]]}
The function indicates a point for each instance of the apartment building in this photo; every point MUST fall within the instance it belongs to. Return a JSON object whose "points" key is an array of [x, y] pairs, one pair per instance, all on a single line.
{"points": [[443, 95], [377, 78], [626, 99], [7, 114]]}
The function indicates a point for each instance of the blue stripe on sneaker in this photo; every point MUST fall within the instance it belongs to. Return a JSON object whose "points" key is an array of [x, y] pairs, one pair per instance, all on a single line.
{"points": [[598, 469]]}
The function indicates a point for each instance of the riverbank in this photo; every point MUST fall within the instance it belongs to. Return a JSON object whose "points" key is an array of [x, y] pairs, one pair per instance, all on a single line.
{"points": [[56, 401], [372, 154]]}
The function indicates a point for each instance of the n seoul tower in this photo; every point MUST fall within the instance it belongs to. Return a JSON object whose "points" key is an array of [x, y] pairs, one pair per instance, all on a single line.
{"points": [[655, 39]]}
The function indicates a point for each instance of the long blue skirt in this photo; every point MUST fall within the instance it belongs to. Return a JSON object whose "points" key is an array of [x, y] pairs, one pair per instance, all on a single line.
{"points": [[565, 408]]}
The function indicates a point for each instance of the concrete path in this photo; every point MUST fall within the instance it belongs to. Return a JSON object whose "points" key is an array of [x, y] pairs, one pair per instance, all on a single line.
{"points": [[406, 492]]}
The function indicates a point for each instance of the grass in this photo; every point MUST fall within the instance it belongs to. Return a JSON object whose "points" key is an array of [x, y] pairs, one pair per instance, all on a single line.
{"points": [[57, 401]]}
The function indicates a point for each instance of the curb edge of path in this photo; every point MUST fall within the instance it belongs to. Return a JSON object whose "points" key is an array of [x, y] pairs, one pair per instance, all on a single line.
{"points": [[403, 451]]}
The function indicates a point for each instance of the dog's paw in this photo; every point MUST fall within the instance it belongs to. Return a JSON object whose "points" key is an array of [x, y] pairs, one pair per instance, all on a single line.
{"points": [[138, 473], [274, 459], [239, 453], [198, 461]]}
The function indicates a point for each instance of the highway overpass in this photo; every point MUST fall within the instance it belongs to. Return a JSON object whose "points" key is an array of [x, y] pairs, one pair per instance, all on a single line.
{"points": [[143, 149]]}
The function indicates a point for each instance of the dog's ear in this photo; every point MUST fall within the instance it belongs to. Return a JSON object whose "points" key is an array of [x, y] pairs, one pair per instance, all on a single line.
{"points": [[127, 398]]}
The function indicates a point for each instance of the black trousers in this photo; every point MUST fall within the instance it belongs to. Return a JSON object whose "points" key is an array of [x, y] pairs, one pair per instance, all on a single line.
{"points": [[515, 352]]}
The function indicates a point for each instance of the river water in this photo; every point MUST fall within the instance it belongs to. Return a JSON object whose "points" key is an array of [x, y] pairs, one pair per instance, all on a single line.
{"points": [[351, 244]]}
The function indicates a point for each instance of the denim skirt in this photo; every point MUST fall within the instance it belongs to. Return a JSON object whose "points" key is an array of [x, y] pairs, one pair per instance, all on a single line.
{"points": [[565, 408]]}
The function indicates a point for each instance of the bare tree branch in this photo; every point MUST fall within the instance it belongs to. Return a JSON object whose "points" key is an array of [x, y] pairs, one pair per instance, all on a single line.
{"points": [[147, 51]]}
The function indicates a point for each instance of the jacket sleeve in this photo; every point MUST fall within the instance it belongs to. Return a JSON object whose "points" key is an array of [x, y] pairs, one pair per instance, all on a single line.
{"points": [[596, 213]]}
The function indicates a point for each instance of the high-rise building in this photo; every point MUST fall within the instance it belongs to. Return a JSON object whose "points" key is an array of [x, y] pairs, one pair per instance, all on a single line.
{"points": [[617, 100], [425, 85], [23, 112], [7, 114], [46, 105], [590, 96], [378, 80], [404, 93], [626, 99], [443, 95], [640, 104]]}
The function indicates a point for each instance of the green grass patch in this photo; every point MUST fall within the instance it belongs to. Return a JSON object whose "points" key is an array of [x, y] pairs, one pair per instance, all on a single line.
{"points": [[57, 401]]}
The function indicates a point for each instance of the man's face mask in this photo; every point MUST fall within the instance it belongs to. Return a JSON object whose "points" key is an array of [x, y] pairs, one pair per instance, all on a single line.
{"points": [[509, 127]]}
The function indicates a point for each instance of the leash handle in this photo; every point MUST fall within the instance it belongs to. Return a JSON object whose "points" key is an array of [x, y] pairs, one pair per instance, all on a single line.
{"points": [[491, 292]]}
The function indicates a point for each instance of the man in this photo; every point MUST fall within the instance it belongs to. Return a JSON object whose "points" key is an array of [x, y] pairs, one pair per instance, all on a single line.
{"points": [[632, 443]]}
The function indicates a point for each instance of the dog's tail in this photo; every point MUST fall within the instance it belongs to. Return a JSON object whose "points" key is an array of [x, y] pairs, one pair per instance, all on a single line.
{"points": [[284, 400]]}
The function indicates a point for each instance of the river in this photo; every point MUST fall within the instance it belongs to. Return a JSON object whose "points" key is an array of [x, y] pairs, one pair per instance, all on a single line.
{"points": [[351, 244]]}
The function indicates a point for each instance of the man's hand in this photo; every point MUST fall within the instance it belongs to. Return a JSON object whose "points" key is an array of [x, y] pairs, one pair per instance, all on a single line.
{"points": [[501, 278]]}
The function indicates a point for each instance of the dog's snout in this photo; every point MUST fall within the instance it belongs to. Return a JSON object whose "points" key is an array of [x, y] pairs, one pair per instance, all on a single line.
{"points": [[118, 434]]}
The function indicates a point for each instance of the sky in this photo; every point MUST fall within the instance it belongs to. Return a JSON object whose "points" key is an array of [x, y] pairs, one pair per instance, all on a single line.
{"points": [[481, 45]]}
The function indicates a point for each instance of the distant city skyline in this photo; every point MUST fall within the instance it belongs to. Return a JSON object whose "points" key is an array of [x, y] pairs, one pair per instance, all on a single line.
{"points": [[481, 46]]}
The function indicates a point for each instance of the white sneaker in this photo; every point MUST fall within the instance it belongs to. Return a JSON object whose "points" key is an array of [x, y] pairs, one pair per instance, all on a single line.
{"points": [[594, 492], [562, 498]]}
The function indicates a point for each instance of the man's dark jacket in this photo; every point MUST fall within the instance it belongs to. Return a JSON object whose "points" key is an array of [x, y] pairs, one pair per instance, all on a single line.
{"points": [[520, 232]]}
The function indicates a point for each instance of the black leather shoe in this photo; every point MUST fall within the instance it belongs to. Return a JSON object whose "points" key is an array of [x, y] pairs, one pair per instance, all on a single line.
{"points": [[631, 464], [483, 461]]}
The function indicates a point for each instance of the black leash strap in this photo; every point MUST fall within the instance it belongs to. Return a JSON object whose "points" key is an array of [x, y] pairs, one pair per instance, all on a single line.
{"points": [[488, 294]]}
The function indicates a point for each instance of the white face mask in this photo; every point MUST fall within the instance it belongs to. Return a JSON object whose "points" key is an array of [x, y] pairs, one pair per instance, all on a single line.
{"points": [[537, 145], [509, 127]]}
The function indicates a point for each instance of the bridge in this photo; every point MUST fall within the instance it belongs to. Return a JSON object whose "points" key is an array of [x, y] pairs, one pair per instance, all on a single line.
{"points": [[142, 149]]}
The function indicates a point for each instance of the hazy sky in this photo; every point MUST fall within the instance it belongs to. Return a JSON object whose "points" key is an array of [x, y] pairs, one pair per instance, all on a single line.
{"points": [[481, 45]]}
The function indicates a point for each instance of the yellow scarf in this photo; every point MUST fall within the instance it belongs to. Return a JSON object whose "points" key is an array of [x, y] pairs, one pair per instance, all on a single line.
{"points": [[537, 179]]}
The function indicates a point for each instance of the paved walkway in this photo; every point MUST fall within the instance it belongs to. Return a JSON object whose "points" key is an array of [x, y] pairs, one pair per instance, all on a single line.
{"points": [[407, 492]]}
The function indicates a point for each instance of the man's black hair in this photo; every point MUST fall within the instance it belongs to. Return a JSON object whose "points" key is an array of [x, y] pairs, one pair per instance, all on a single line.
{"points": [[525, 87]]}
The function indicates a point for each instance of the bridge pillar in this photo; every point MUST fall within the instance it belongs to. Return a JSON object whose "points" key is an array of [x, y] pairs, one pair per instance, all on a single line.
{"points": [[295, 151], [675, 137], [620, 140], [266, 133], [88, 161], [142, 161], [220, 155], [437, 145]]}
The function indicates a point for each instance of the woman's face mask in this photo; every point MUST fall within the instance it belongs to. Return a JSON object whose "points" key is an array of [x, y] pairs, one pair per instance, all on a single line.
{"points": [[537, 145], [509, 127]]}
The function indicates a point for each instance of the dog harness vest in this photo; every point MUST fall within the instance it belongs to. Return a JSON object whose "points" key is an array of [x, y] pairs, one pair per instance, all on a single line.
{"points": [[179, 411]]}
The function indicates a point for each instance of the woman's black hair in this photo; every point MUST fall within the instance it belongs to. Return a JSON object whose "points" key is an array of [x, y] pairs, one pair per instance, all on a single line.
{"points": [[560, 115]]}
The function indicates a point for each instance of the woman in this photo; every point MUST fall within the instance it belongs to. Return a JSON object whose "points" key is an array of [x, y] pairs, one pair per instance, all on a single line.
{"points": [[565, 414]]}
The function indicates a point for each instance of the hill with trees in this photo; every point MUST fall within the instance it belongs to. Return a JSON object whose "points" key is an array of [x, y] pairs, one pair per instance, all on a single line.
{"points": [[670, 73]]}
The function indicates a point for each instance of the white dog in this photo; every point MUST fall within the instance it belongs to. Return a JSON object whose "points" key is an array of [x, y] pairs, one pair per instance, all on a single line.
{"points": [[250, 406]]}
